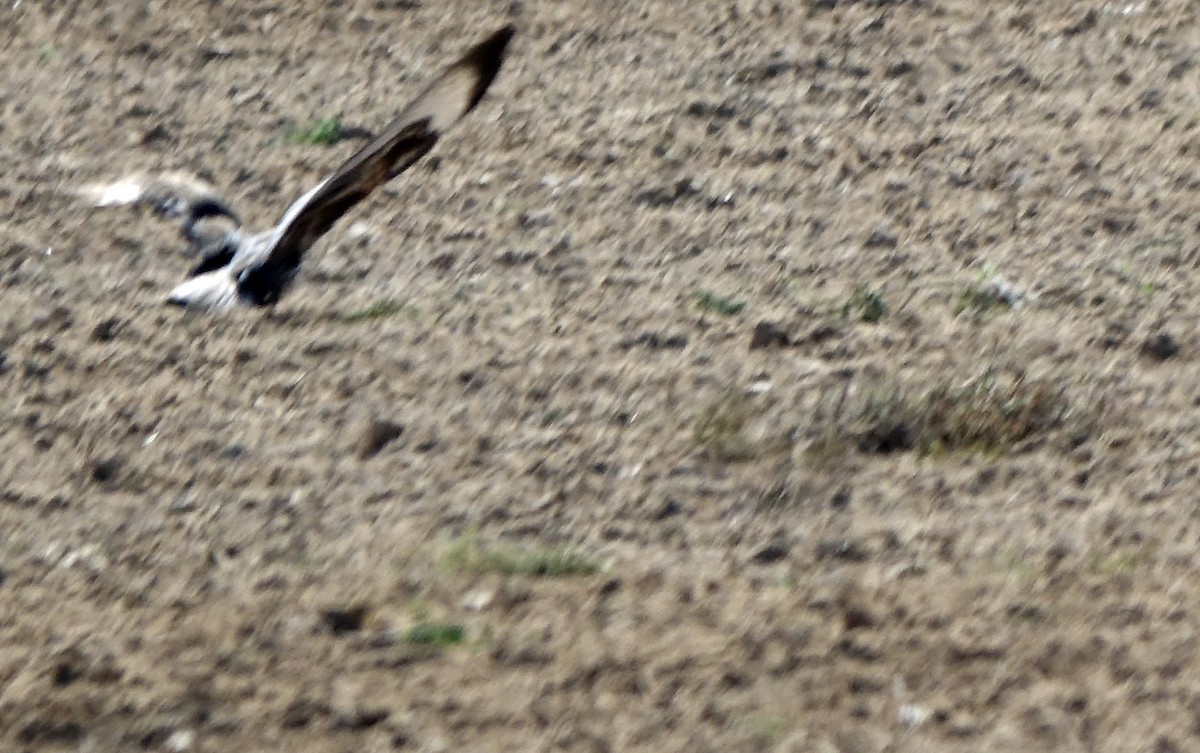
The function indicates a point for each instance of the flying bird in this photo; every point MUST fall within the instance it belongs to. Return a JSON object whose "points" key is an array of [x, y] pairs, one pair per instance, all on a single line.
{"points": [[255, 269]]}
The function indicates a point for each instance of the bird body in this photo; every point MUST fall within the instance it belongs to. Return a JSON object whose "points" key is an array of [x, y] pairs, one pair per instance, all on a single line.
{"points": [[256, 269]]}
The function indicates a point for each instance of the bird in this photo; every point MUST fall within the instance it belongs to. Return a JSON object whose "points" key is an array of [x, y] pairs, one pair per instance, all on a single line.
{"points": [[241, 269]]}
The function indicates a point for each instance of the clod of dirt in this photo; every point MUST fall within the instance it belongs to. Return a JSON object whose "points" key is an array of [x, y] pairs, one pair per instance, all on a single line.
{"points": [[106, 470], [840, 499], [59, 317], [843, 549], [157, 133], [511, 258], [655, 341], [882, 238], [376, 435], [1084, 24], [1161, 346], [667, 195], [301, 712], [772, 552], [106, 330], [669, 509], [360, 718], [443, 262], [347, 620], [769, 335]]}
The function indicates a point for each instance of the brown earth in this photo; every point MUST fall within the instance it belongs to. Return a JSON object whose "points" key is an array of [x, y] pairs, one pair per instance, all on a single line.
{"points": [[211, 541]]}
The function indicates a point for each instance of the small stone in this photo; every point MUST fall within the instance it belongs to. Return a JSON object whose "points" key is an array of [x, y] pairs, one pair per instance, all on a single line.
{"points": [[477, 601], [181, 741], [912, 716], [882, 238]]}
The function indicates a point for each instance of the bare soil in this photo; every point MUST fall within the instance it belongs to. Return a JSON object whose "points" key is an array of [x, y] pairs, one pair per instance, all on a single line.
{"points": [[504, 472]]}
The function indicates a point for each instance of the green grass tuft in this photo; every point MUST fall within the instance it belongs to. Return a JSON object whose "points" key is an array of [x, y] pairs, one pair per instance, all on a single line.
{"points": [[865, 304], [468, 555], [325, 132], [715, 304], [378, 310], [434, 634]]}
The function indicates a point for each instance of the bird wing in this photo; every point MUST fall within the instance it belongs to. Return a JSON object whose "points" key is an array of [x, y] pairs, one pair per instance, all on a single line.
{"points": [[404, 141], [176, 196]]}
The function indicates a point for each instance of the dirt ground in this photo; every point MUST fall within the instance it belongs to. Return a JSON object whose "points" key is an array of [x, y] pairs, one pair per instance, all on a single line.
{"points": [[571, 438]]}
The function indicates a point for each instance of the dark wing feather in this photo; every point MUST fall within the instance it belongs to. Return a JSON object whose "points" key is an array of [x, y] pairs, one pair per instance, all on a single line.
{"points": [[405, 140]]}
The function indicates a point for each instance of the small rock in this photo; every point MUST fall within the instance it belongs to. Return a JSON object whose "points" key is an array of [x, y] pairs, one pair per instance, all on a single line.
{"points": [[882, 238], [181, 741], [912, 716], [347, 620], [769, 335], [376, 435], [1161, 346], [477, 601]]}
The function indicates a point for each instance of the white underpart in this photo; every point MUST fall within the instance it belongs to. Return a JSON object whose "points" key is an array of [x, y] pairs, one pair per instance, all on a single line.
{"points": [[210, 291]]}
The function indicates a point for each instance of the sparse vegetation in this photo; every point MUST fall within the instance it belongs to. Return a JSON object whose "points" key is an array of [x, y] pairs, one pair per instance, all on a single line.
{"points": [[991, 414], [765, 729], [325, 132], [1129, 276], [718, 429], [434, 634], [713, 303], [1124, 560], [865, 304], [989, 293], [378, 310], [467, 554], [980, 297]]}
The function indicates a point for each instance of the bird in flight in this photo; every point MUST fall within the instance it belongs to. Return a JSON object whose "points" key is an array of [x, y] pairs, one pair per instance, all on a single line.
{"points": [[255, 269]]}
